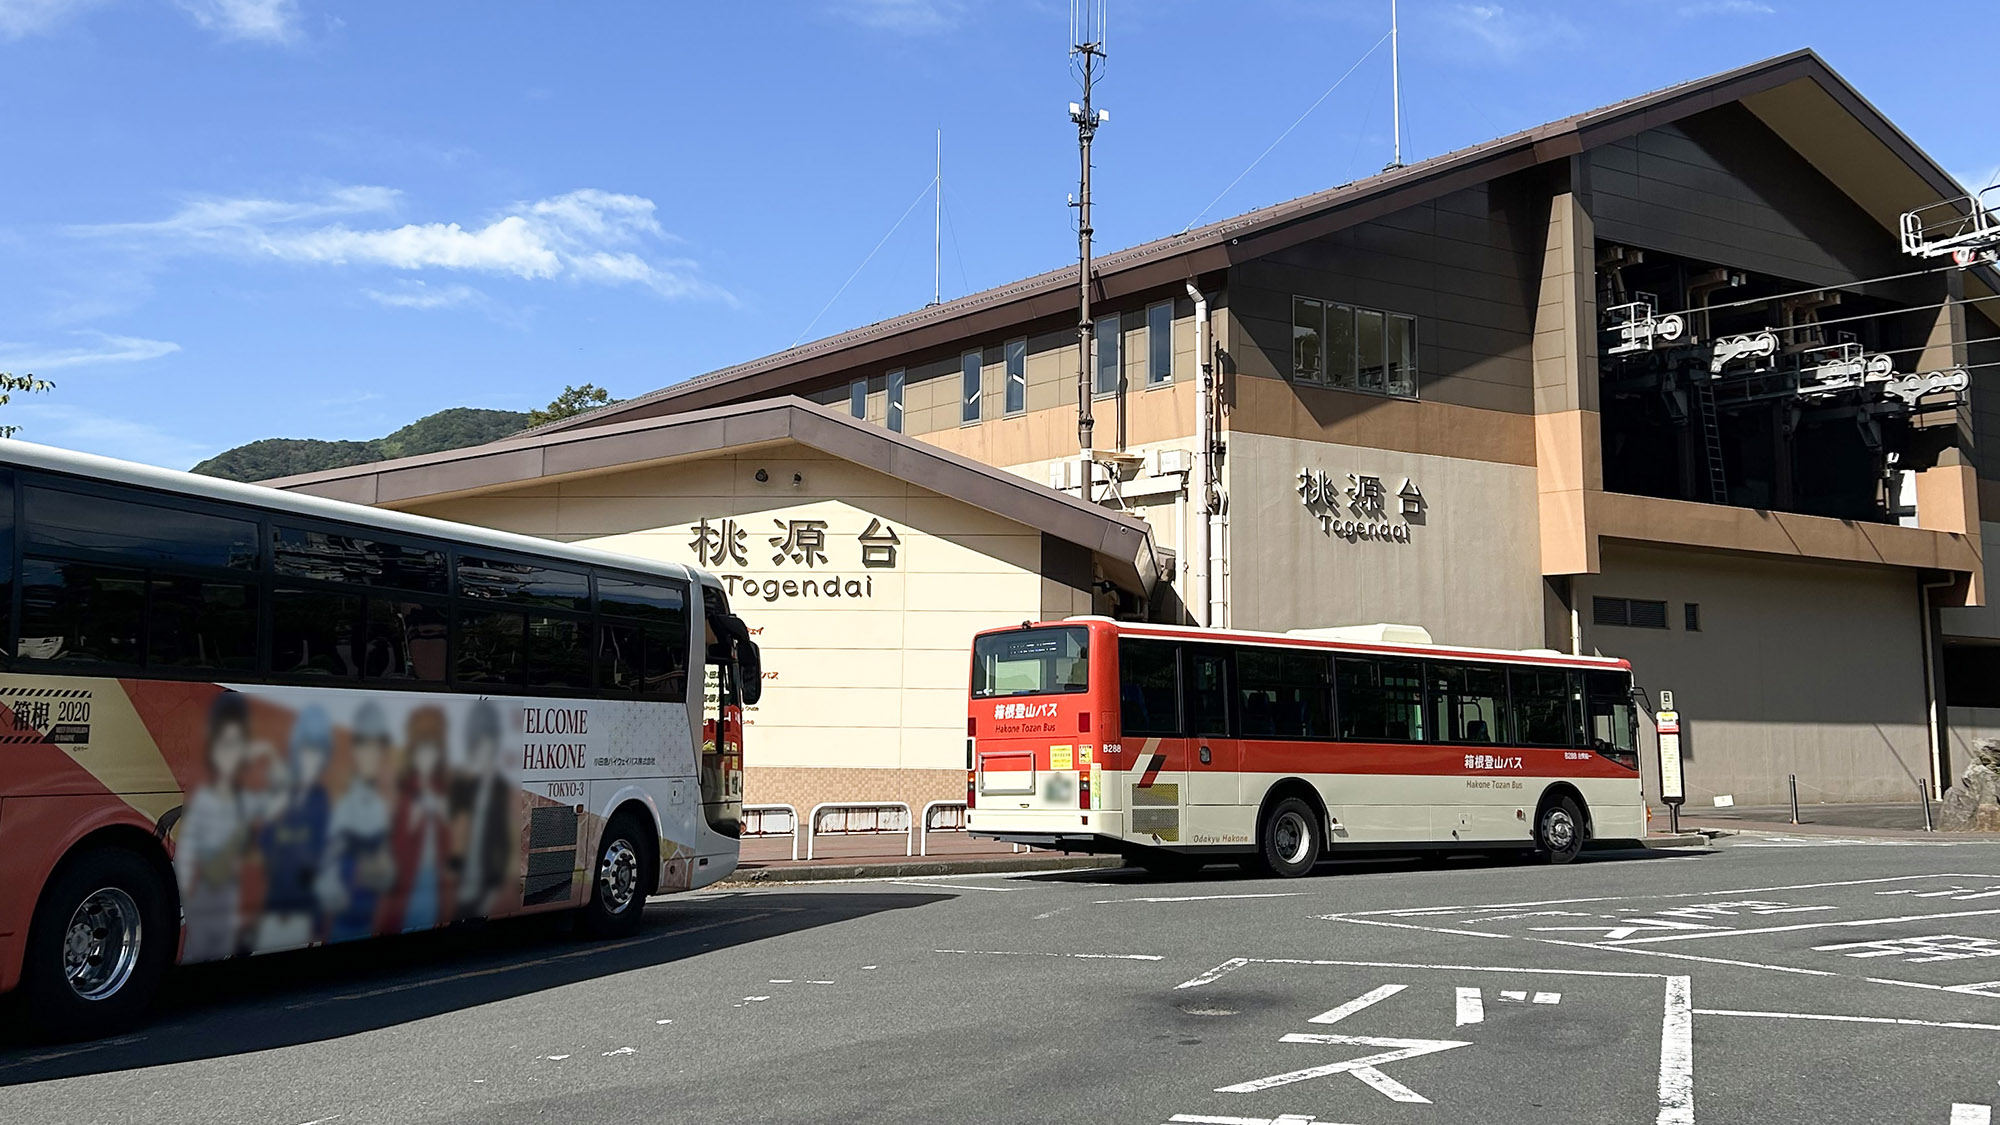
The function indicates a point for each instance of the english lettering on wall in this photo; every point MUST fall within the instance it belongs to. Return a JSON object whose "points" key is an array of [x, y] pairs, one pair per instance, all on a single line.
{"points": [[1355, 506]]}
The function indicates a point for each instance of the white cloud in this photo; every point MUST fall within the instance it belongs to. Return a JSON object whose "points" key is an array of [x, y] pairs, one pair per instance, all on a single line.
{"points": [[21, 359], [587, 235], [267, 21], [1726, 8], [417, 295], [27, 17], [80, 428], [910, 17], [1509, 33]]}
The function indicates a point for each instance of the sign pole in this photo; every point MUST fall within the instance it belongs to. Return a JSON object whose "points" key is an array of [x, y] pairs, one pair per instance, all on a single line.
{"points": [[1673, 787]]}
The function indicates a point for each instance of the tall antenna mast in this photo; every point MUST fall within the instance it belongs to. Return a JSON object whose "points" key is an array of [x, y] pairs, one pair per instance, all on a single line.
{"points": [[1395, 86], [937, 225], [1086, 52]]}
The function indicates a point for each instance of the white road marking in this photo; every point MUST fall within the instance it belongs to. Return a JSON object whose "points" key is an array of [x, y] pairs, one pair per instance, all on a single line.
{"points": [[1363, 1068], [1374, 996], [1044, 953], [1471, 1009], [1688, 957], [663, 1021], [1959, 1025], [1281, 1119], [952, 886], [819, 982], [1625, 928], [1548, 997], [1200, 898], [555, 1058], [1677, 1055], [1211, 976], [1807, 926], [1841, 842], [1979, 989], [1919, 950], [1411, 926], [1517, 997], [621, 1051], [1963, 1114], [338, 1116], [1449, 968], [1429, 910], [784, 980]]}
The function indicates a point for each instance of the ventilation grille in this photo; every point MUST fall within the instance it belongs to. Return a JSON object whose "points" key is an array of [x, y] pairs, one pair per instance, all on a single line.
{"points": [[1635, 613]]}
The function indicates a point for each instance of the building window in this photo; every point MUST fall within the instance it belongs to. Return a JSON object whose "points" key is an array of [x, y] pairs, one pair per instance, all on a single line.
{"points": [[895, 397], [1636, 613], [1110, 356], [1160, 344], [1354, 349], [969, 367], [1017, 376], [857, 398], [1308, 357], [1691, 616]]}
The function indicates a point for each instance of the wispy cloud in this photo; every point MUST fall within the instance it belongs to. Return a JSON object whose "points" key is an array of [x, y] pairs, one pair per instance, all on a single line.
{"points": [[418, 295], [1725, 8], [909, 17], [585, 236], [76, 427], [21, 359], [262, 21], [1509, 33], [265, 21]]}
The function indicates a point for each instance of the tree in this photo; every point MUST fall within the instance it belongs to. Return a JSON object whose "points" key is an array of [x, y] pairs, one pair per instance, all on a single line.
{"points": [[24, 384], [573, 401]]}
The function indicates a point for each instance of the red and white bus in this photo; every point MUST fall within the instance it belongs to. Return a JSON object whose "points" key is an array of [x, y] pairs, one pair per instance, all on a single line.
{"points": [[1177, 746], [236, 720]]}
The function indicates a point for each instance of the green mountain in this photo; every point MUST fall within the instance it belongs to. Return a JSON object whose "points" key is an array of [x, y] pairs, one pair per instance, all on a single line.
{"points": [[280, 457]]}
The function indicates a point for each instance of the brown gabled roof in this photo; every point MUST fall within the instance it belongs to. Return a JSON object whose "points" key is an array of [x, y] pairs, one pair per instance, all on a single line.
{"points": [[1122, 544], [1186, 256]]}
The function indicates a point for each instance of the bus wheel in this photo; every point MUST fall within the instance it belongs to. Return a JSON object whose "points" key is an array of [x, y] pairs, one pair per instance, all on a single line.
{"points": [[1559, 831], [98, 945], [619, 886], [1289, 843]]}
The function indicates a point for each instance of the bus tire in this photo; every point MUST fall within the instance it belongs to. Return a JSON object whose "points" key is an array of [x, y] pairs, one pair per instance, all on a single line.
{"points": [[1288, 841], [1558, 831], [619, 881], [98, 945]]}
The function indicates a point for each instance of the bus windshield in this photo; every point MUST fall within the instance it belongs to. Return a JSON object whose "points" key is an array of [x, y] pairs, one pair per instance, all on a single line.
{"points": [[1031, 662]]}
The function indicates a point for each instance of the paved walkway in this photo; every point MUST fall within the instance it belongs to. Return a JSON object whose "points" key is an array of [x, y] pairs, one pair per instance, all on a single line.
{"points": [[1860, 819]]}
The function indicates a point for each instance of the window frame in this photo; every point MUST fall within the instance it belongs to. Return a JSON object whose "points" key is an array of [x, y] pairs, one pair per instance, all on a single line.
{"points": [[892, 411], [1098, 365], [1008, 356], [857, 398], [1159, 344], [1346, 376], [971, 387]]}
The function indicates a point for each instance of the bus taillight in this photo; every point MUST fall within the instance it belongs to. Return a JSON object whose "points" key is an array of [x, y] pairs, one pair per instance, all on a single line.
{"points": [[971, 788], [1083, 789]]}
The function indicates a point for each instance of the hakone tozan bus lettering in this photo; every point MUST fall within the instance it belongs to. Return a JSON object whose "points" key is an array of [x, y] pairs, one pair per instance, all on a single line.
{"points": [[237, 720], [1177, 746]]}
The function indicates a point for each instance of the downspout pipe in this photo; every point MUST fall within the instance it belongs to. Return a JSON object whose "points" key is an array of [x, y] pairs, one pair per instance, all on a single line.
{"points": [[1206, 571], [1933, 690]]}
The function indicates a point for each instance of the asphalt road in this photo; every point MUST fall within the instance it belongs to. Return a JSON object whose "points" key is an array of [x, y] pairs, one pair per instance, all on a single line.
{"points": [[1763, 981]]}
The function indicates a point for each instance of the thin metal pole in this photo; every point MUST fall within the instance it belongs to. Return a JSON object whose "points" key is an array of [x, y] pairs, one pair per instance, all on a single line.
{"points": [[1396, 83], [1924, 798], [937, 225], [1795, 797]]}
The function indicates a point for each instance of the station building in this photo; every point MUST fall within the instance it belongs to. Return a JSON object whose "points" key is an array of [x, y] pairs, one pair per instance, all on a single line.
{"points": [[1414, 398]]}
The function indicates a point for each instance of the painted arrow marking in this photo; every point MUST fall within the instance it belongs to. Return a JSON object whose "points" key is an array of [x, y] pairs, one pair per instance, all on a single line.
{"points": [[1363, 1068]]}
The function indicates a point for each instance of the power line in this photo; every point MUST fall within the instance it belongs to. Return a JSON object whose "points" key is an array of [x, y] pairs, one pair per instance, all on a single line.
{"points": [[1286, 133], [865, 261], [1889, 312], [951, 228], [1927, 347], [1823, 289]]}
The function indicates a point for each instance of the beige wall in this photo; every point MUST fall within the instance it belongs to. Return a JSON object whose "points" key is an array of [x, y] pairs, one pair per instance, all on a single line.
{"points": [[1799, 667], [1469, 572], [876, 682]]}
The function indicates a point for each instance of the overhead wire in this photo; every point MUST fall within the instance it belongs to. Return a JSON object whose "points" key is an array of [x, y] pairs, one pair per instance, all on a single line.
{"points": [[1886, 312], [1288, 132], [1840, 288], [865, 261]]}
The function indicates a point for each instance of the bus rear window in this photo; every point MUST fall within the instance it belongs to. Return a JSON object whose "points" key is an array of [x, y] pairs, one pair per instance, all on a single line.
{"points": [[1031, 662]]}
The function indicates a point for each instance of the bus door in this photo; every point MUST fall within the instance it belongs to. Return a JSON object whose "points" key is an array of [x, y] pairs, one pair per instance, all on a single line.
{"points": [[1214, 755]]}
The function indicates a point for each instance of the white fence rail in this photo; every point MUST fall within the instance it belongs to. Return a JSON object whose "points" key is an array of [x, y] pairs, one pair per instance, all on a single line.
{"points": [[861, 818], [765, 821]]}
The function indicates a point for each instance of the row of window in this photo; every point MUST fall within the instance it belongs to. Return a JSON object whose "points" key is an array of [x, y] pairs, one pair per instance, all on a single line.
{"points": [[1167, 689], [1107, 378], [1353, 348], [103, 578], [1642, 613]]}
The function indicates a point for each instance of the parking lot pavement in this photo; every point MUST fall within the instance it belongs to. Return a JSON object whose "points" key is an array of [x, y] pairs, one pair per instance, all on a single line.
{"points": [[1765, 980]]}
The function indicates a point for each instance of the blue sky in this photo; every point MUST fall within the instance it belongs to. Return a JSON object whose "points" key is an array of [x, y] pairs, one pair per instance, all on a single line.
{"points": [[233, 219]]}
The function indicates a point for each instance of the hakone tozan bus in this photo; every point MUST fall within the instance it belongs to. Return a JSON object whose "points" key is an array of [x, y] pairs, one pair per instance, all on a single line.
{"points": [[1178, 746], [235, 720]]}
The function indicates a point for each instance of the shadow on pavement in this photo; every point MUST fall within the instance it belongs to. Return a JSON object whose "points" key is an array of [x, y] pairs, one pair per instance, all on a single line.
{"points": [[1222, 872], [284, 999]]}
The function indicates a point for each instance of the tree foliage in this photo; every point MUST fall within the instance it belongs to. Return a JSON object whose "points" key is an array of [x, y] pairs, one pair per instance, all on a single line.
{"points": [[455, 428], [571, 402], [11, 385]]}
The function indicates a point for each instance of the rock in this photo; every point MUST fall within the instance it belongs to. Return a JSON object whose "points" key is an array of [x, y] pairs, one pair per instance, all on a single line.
{"points": [[1973, 805]]}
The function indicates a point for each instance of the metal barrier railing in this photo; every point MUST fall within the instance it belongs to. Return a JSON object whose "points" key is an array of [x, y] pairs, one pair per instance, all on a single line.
{"points": [[873, 810], [754, 828], [955, 822]]}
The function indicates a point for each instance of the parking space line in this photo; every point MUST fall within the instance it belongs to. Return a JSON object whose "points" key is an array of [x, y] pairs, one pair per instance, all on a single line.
{"points": [[1677, 1054], [1960, 1025]]}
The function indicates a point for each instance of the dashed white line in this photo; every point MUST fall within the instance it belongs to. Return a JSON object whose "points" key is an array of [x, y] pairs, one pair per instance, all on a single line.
{"points": [[1211, 976], [1471, 1009]]}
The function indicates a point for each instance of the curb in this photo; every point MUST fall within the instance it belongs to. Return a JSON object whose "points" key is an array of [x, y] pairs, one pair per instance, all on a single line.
{"points": [[1684, 840], [816, 872]]}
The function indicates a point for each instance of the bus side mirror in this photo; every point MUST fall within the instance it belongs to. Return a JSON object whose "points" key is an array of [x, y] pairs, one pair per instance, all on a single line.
{"points": [[749, 662]]}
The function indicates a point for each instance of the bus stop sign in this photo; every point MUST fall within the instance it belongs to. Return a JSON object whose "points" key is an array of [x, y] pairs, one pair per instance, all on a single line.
{"points": [[1673, 788]]}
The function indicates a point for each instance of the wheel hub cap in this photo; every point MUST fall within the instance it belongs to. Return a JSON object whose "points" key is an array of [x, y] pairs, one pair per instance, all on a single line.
{"points": [[101, 945], [1291, 836], [618, 876], [1561, 831]]}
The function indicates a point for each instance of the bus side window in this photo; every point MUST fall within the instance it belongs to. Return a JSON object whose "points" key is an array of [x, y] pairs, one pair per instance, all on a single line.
{"points": [[1468, 703], [1149, 690], [1545, 708], [1207, 691], [1379, 700]]}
